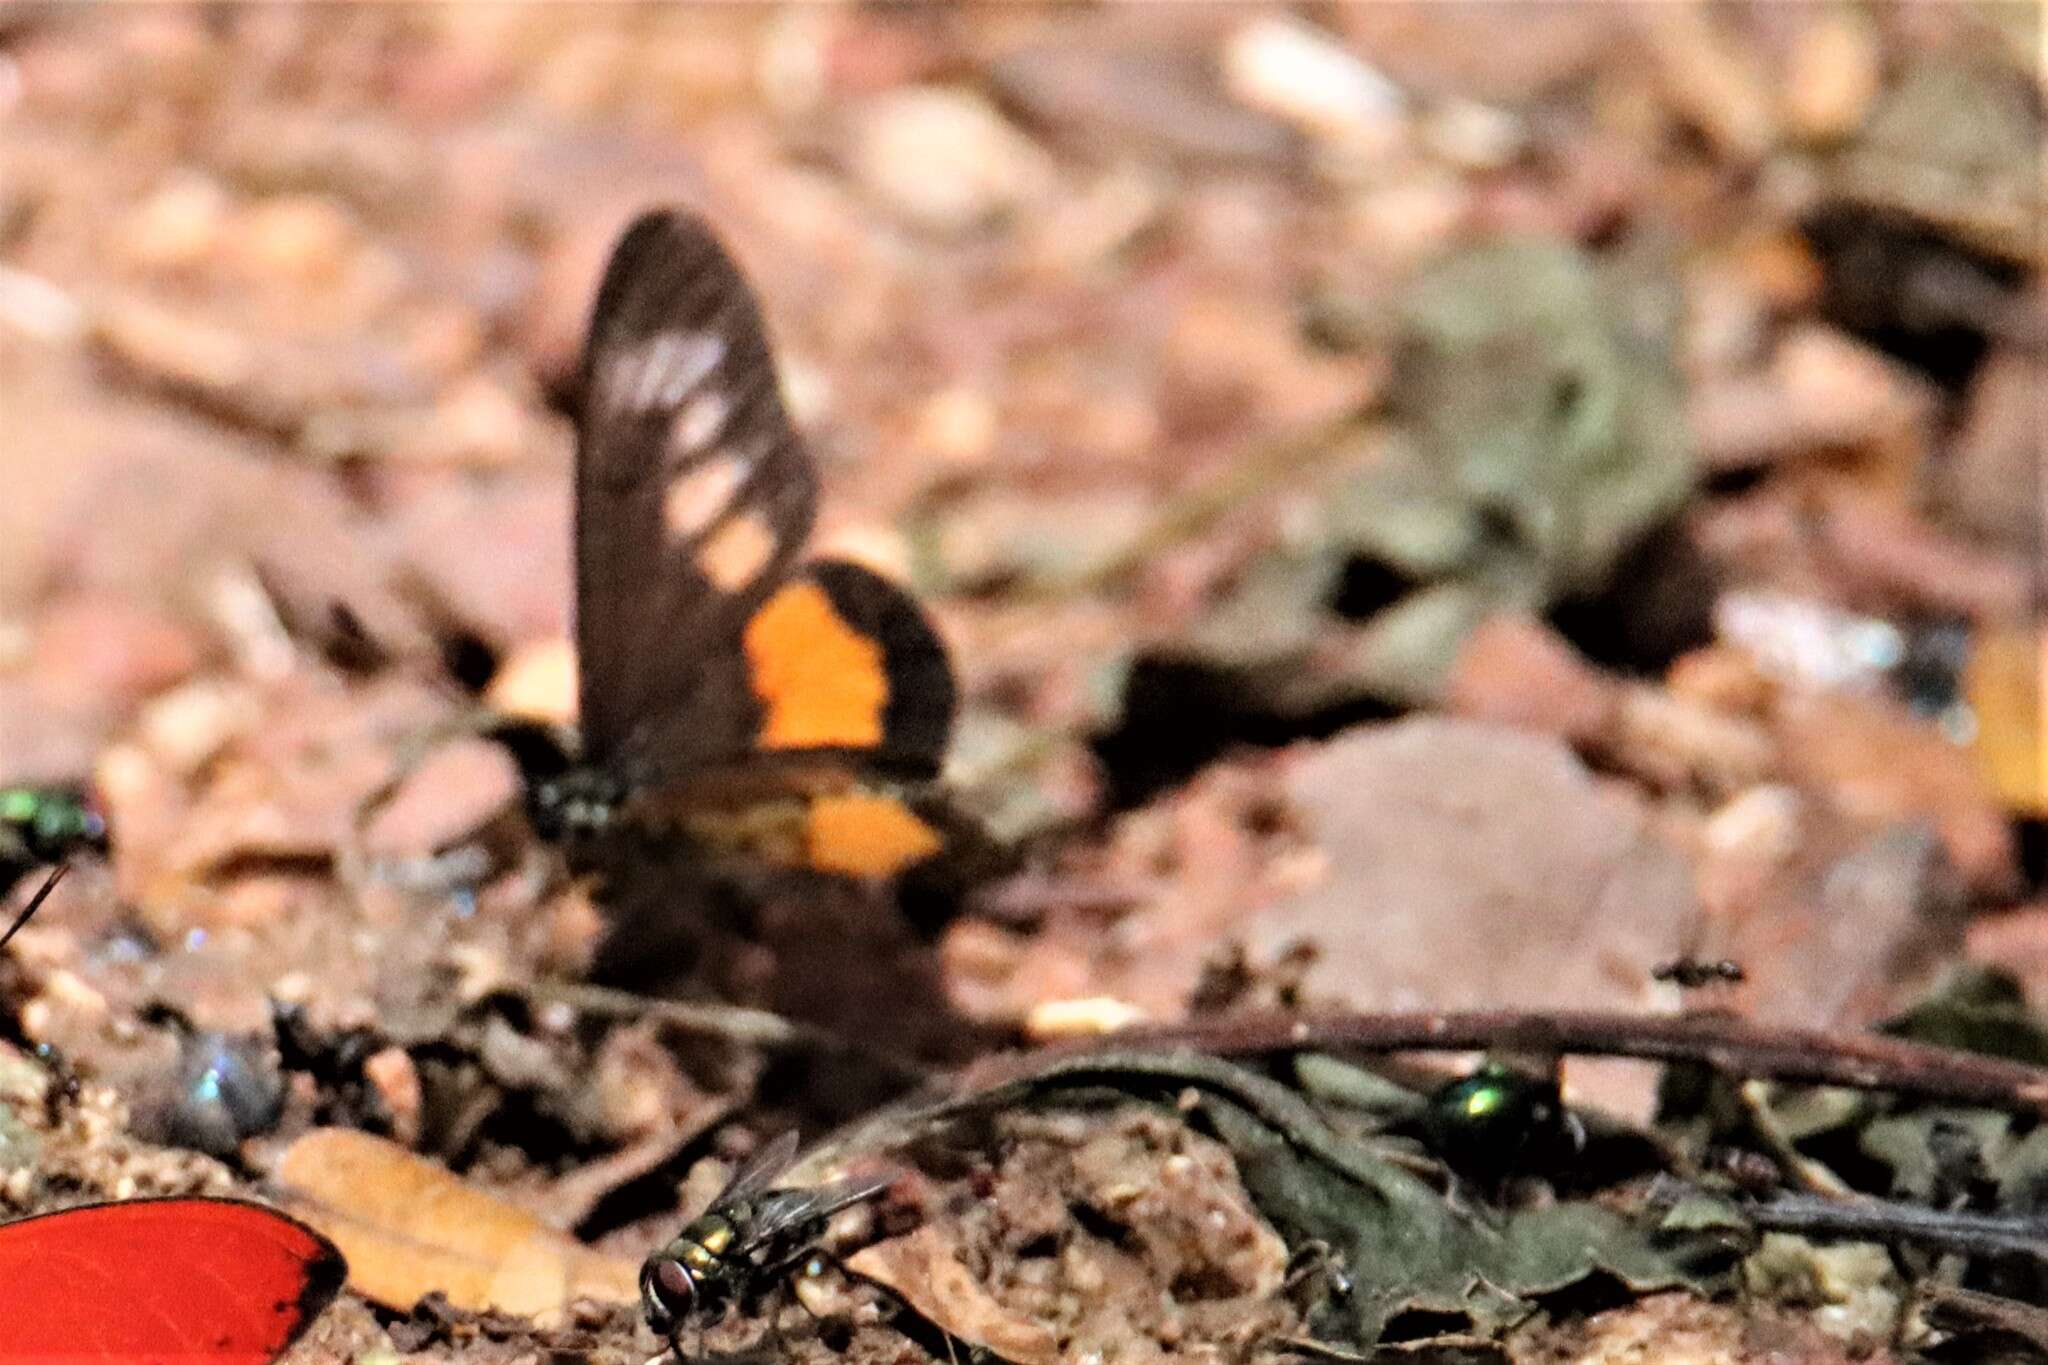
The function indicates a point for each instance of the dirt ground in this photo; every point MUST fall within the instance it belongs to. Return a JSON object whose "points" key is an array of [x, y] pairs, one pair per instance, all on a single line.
{"points": [[1438, 507]]}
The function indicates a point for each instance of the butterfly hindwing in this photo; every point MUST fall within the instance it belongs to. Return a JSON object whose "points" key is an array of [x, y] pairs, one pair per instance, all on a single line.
{"points": [[766, 704], [694, 496], [839, 658]]}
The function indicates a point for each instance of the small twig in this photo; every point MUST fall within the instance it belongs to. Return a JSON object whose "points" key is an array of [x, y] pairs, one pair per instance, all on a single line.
{"points": [[35, 902], [731, 1023], [1186, 514], [1881, 1220], [1799, 1168], [1735, 1046]]}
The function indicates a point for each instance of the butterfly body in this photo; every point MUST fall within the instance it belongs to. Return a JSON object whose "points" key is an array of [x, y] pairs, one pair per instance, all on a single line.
{"points": [[730, 691]]}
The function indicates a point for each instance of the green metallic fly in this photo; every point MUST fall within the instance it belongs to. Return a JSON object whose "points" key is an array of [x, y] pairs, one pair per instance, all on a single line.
{"points": [[40, 825], [750, 1237]]}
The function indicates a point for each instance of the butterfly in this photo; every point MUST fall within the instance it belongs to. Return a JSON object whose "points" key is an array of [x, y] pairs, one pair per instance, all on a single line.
{"points": [[793, 711], [219, 1280]]}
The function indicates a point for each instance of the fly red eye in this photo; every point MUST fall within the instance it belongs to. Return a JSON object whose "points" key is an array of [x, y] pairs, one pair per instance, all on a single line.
{"points": [[669, 1290], [674, 1281]]}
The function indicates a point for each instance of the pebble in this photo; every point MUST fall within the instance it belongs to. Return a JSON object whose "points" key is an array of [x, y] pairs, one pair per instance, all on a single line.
{"points": [[1806, 643], [1303, 75], [398, 1085], [537, 681], [177, 228], [1474, 136], [958, 424], [1832, 75], [1762, 821], [185, 728], [302, 239], [1087, 1017], [478, 421], [169, 348], [1408, 221], [1679, 744], [944, 160], [1079, 231]]}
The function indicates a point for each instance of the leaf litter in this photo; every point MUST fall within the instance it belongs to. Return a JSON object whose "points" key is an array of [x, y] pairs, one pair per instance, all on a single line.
{"points": [[1359, 331]]}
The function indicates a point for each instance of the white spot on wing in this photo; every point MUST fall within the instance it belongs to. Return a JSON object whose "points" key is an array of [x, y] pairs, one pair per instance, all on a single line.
{"points": [[695, 498], [660, 371], [737, 553], [697, 422]]}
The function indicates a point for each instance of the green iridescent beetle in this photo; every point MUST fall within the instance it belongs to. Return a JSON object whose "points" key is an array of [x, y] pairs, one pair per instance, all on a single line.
{"points": [[1499, 1122]]}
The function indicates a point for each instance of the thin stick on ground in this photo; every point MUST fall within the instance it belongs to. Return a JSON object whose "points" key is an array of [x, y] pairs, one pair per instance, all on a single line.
{"points": [[35, 902], [1737, 1047], [730, 1023]]}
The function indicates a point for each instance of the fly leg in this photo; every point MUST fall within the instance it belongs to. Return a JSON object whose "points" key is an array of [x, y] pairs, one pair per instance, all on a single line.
{"points": [[1315, 1263], [809, 1262]]}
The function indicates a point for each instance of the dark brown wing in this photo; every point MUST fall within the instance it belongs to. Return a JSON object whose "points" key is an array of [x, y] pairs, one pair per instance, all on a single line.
{"points": [[693, 497]]}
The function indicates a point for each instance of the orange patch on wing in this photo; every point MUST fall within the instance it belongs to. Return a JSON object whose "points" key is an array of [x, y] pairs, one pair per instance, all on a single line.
{"points": [[737, 553], [863, 834], [822, 684]]}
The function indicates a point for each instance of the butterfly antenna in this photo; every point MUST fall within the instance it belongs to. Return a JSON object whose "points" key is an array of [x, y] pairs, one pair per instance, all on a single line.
{"points": [[35, 902]]}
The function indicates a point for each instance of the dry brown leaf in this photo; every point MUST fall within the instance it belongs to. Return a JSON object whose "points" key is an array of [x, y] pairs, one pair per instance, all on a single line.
{"points": [[409, 1227], [1881, 764], [923, 1270], [2007, 684]]}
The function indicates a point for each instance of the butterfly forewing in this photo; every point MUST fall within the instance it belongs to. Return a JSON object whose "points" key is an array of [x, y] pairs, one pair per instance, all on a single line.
{"points": [[693, 498]]}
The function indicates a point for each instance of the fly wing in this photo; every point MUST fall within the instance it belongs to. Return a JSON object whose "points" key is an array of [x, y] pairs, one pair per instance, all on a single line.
{"points": [[769, 1160], [694, 496], [779, 1211]]}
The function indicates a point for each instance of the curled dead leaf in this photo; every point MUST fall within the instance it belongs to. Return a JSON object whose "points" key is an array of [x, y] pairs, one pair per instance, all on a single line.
{"points": [[924, 1271], [410, 1227]]}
